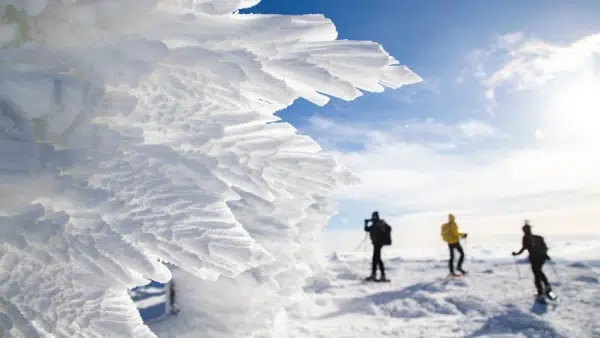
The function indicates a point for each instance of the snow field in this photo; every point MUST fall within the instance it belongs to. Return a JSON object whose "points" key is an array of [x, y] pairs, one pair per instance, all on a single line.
{"points": [[421, 301]]}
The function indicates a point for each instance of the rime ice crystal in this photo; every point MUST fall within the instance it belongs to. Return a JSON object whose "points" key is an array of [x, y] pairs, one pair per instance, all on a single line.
{"points": [[127, 141]]}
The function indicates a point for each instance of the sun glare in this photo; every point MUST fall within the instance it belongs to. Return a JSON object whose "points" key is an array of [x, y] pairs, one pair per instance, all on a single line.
{"points": [[574, 111]]}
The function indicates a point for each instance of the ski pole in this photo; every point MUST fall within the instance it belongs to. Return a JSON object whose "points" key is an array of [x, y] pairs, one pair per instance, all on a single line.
{"points": [[517, 267], [466, 249], [519, 273], [365, 248], [361, 243], [554, 269]]}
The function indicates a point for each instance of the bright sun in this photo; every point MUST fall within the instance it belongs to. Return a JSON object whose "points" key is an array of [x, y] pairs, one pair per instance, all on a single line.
{"points": [[574, 110]]}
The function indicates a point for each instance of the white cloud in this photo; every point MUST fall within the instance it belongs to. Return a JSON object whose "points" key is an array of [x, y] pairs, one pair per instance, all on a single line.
{"points": [[531, 63], [416, 181], [476, 61], [511, 38], [474, 128], [539, 134], [332, 134], [557, 84], [335, 134]]}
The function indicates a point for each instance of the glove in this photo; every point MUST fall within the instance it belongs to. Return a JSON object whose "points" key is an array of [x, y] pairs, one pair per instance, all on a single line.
{"points": [[464, 236], [514, 253]]}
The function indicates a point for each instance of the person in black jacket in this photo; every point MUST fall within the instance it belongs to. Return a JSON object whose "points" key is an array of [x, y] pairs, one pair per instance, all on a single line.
{"points": [[380, 233], [538, 255]]}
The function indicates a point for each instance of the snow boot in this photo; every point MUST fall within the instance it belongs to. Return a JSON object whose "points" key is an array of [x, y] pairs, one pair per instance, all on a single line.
{"points": [[550, 294], [462, 271], [383, 279], [371, 278]]}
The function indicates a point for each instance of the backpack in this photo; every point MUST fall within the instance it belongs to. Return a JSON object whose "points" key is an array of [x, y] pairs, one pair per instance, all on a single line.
{"points": [[381, 233], [538, 245]]}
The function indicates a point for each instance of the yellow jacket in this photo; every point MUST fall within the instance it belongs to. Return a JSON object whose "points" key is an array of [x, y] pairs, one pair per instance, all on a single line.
{"points": [[450, 232]]}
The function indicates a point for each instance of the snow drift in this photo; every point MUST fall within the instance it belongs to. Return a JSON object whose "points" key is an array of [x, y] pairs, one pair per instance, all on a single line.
{"points": [[139, 131]]}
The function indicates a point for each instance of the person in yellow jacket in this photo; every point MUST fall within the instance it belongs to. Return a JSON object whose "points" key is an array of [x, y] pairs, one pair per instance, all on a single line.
{"points": [[451, 236]]}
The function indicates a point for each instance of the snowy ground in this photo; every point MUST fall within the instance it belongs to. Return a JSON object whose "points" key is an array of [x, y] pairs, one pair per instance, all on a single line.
{"points": [[422, 302]]}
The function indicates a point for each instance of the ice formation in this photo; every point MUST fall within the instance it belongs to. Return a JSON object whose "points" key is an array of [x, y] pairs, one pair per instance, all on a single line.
{"points": [[136, 131]]}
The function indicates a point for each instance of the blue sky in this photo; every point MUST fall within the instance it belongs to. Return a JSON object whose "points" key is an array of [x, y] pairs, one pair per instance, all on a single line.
{"points": [[488, 133]]}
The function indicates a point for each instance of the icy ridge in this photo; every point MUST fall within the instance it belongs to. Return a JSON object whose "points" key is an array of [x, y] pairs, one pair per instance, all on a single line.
{"points": [[127, 141]]}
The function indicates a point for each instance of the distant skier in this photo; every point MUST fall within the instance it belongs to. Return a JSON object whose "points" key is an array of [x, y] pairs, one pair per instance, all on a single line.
{"points": [[381, 235], [451, 236], [538, 255]]}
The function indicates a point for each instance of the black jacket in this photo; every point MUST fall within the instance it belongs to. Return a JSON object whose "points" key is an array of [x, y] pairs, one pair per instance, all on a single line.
{"points": [[536, 246], [380, 232]]}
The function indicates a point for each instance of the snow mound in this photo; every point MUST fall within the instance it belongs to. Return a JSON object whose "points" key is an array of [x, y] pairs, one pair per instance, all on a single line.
{"points": [[125, 142], [421, 301]]}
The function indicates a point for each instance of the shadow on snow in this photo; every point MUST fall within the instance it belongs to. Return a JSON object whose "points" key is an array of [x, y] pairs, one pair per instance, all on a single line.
{"points": [[515, 321]]}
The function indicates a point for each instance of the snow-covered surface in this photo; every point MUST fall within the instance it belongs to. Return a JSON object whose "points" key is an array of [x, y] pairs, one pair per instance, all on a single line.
{"points": [[420, 301], [138, 130]]}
